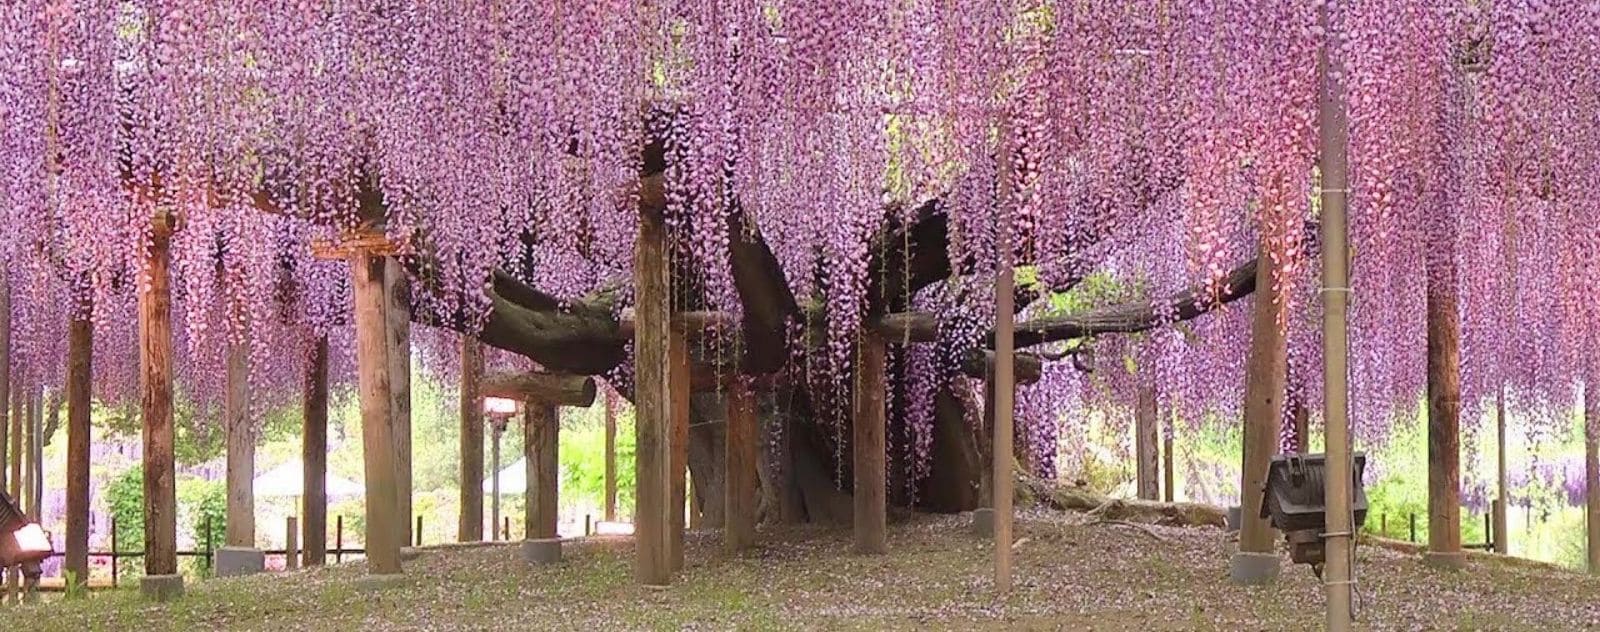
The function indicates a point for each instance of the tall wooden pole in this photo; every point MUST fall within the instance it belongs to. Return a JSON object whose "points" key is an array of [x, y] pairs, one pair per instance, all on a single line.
{"points": [[541, 445], [1591, 473], [1257, 562], [1169, 490], [6, 462], [397, 291], [314, 456], [1333, 138], [1145, 439], [741, 454], [155, 378], [652, 406], [1444, 421], [1005, 392], [378, 443], [80, 355], [240, 531], [868, 446], [611, 455], [14, 574], [1502, 540], [678, 359], [30, 437], [470, 527]]}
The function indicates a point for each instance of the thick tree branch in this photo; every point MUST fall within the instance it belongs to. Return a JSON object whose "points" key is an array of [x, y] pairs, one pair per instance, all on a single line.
{"points": [[1136, 316]]}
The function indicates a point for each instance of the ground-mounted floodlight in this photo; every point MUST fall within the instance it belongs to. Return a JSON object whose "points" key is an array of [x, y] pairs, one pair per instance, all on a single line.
{"points": [[499, 411], [22, 542], [1294, 502]]}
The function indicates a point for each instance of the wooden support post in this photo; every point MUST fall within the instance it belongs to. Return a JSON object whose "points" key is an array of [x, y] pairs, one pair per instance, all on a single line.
{"points": [[652, 393], [240, 530], [1591, 474], [1169, 481], [397, 293], [30, 457], [1145, 438], [1302, 427], [385, 523], [1502, 541], [338, 539], [611, 455], [155, 379], [80, 355], [291, 547], [692, 508], [541, 445], [1004, 397], [6, 461], [314, 456], [867, 445], [470, 526], [1266, 373], [1444, 421], [740, 462], [678, 358], [14, 574]]}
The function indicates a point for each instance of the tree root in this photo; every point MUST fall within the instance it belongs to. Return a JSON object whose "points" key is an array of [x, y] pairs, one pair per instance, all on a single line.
{"points": [[1114, 510]]}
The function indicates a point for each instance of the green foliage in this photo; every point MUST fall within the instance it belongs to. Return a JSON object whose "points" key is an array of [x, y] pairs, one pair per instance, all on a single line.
{"points": [[583, 465], [125, 499], [204, 504]]}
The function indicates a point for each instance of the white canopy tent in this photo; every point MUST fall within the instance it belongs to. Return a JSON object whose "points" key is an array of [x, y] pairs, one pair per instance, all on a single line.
{"points": [[513, 479], [288, 480]]}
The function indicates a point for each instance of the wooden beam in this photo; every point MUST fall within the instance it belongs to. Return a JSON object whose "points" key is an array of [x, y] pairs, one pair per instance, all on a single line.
{"points": [[314, 456], [80, 373], [740, 462], [469, 527], [367, 241], [397, 294], [653, 411], [1026, 368], [155, 379], [541, 447], [908, 327], [377, 432], [554, 389], [241, 458], [868, 448]]}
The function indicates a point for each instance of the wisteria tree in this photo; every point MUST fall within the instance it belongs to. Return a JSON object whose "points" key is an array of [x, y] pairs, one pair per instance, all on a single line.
{"points": [[824, 171]]}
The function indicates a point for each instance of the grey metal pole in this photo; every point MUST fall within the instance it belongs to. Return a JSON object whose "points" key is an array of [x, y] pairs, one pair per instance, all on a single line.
{"points": [[494, 503]]}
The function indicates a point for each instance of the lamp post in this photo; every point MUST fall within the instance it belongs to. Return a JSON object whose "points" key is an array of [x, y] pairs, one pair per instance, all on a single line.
{"points": [[499, 412]]}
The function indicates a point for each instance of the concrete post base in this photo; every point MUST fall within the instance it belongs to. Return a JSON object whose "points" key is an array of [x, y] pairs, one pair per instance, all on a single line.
{"points": [[1445, 561], [542, 550], [161, 588], [380, 582], [233, 561], [983, 522], [1254, 569]]}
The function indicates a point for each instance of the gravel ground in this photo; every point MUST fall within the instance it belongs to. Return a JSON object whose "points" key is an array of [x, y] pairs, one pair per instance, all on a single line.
{"points": [[1071, 574]]}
